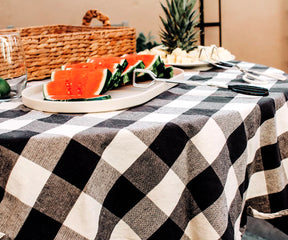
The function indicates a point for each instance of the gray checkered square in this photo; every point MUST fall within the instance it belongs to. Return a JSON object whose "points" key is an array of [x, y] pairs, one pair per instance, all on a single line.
{"points": [[57, 198]]}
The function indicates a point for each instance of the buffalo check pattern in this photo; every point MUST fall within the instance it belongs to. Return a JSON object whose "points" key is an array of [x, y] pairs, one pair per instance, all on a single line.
{"points": [[189, 164]]}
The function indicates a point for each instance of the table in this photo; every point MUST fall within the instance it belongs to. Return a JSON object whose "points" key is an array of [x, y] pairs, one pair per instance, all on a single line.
{"points": [[189, 164]]}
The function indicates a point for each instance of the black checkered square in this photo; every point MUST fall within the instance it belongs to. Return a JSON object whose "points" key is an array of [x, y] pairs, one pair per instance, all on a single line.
{"points": [[203, 185], [121, 189], [16, 140], [169, 143], [38, 226], [76, 164]]}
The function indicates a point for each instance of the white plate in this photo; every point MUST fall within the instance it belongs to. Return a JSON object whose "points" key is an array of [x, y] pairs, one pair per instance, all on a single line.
{"points": [[122, 98], [197, 64]]}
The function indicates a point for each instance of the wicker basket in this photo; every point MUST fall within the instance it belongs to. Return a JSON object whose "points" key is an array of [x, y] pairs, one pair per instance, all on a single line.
{"points": [[49, 47]]}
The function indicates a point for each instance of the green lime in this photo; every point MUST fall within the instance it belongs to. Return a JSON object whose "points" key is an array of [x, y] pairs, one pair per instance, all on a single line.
{"points": [[4, 88]]}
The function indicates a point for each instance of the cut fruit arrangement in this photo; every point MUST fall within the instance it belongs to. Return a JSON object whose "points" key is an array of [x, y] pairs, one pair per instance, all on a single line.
{"points": [[93, 79]]}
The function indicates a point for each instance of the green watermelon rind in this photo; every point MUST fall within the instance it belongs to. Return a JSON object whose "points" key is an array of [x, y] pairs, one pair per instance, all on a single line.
{"points": [[105, 83], [156, 66], [168, 72], [116, 79], [115, 75], [122, 65], [127, 75], [99, 98]]}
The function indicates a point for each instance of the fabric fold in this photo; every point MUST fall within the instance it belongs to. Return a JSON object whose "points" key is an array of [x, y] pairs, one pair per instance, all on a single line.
{"points": [[261, 215]]}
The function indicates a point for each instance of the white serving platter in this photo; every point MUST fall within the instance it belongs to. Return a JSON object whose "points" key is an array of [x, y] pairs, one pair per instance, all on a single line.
{"points": [[122, 98]]}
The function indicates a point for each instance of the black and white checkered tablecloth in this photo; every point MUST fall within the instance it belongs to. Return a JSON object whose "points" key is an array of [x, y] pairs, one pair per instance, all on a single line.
{"points": [[185, 165]]}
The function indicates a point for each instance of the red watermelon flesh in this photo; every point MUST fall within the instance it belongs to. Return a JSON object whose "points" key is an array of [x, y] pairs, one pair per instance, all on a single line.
{"points": [[76, 84], [145, 58], [117, 78], [131, 63], [106, 61], [112, 66]]}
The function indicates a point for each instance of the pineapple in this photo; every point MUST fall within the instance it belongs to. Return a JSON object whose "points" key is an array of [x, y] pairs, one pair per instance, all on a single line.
{"points": [[179, 26]]}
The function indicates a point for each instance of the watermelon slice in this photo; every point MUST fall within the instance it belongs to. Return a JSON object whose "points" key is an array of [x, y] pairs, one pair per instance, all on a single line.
{"points": [[167, 72], [113, 67], [122, 64], [152, 62], [127, 74], [126, 67], [104, 61], [77, 84]]}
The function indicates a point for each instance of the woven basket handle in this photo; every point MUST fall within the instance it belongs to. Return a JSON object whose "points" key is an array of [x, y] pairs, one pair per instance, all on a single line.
{"points": [[90, 14]]}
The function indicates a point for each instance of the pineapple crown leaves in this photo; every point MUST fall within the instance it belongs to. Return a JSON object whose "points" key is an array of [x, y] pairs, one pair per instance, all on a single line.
{"points": [[143, 42], [179, 26]]}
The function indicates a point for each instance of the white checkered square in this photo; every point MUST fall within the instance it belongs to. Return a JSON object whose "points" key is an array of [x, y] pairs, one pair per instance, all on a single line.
{"points": [[225, 77], [9, 105], [281, 120], [22, 121], [188, 74], [211, 136], [257, 185], [159, 117], [167, 193], [103, 115], [201, 91], [14, 124], [26, 181], [243, 108], [285, 166], [123, 231], [182, 104], [124, 150], [67, 130], [253, 145], [200, 228], [231, 186], [237, 227], [84, 216], [246, 65]]}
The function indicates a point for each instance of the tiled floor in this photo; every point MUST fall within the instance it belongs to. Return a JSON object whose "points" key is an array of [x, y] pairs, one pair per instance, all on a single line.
{"points": [[260, 230]]}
